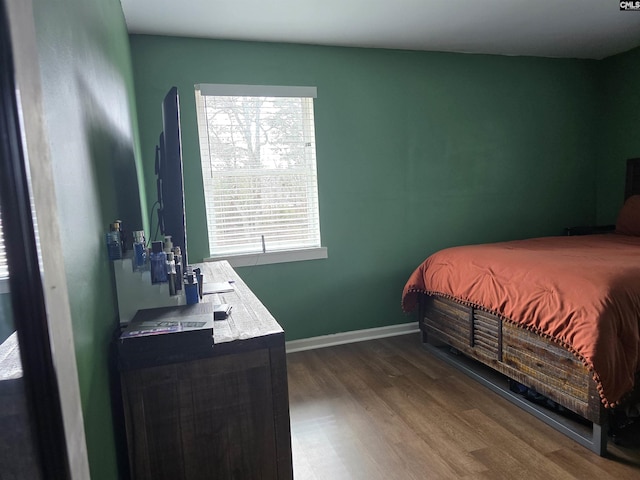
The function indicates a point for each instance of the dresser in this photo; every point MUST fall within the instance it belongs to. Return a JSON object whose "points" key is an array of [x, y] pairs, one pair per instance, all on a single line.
{"points": [[218, 413]]}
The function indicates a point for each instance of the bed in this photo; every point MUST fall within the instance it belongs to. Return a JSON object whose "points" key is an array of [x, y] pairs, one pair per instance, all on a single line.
{"points": [[558, 315]]}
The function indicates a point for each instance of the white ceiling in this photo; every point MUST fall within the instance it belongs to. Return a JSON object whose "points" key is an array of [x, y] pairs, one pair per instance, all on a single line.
{"points": [[548, 28]]}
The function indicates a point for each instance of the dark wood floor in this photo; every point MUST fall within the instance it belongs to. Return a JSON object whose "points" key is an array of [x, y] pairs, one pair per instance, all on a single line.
{"points": [[387, 409]]}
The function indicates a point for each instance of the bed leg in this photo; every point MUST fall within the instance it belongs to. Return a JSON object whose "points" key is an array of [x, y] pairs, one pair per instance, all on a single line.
{"points": [[425, 339], [429, 340], [599, 438], [421, 311]]}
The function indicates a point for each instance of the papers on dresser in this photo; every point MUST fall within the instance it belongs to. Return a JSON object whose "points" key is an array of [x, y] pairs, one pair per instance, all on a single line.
{"points": [[217, 287]]}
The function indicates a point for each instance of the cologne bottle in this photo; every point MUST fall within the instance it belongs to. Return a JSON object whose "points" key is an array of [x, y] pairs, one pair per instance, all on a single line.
{"points": [[123, 236], [168, 244], [139, 251], [158, 261], [191, 286], [178, 258], [114, 245], [171, 273]]}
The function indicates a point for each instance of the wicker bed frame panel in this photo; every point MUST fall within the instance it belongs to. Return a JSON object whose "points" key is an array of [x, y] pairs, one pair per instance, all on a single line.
{"points": [[521, 355]]}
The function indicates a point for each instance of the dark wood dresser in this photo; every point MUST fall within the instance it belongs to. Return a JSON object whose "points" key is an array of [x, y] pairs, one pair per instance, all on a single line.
{"points": [[216, 414]]}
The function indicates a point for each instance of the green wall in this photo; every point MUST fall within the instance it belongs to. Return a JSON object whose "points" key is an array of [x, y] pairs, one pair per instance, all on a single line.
{"points": [[85, 62], [416, 151], [619, 128]]}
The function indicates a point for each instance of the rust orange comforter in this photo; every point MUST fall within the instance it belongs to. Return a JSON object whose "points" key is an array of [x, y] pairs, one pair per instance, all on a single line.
{"points": [[582, 291]]}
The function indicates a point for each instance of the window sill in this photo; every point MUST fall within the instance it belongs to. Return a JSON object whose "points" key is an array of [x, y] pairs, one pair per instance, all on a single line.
{"points": [[252, 259]]}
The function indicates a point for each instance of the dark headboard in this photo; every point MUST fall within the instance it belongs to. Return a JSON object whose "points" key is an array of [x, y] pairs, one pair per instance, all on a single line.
{"points": [[633, 178]]}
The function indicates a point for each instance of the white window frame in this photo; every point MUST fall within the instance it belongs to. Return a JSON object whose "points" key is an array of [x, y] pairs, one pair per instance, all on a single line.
{"points": [[264, 257]]}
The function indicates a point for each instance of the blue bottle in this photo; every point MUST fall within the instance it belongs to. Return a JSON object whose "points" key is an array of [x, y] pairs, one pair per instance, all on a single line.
{"points": [[114, 244], [191, 287], [158, 261], [139, 250]]}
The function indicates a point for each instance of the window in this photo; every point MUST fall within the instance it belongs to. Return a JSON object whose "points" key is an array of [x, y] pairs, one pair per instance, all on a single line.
{"points": [[4, 270], [257, 147]]}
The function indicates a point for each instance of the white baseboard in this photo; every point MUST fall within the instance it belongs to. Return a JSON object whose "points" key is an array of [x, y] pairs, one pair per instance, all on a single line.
{"points": [[350, 337]]}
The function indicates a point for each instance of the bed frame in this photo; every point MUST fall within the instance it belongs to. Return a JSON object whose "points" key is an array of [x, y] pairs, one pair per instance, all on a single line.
{"points": [[494, 351]]}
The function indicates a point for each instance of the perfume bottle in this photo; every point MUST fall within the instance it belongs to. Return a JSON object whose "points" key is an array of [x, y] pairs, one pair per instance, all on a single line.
{"points": [[178, 258], [168, 244], [123, 236], [191, 286], [114, 245], [139, 251], [171, 273], [158, 261], [199, 281]]}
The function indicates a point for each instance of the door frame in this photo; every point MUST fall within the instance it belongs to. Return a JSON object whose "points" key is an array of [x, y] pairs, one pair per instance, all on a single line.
{"points": [[39, 281]]}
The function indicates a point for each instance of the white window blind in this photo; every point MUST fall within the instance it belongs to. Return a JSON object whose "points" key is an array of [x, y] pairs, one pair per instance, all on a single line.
{"points": [[4, 271], [257, 147]]}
